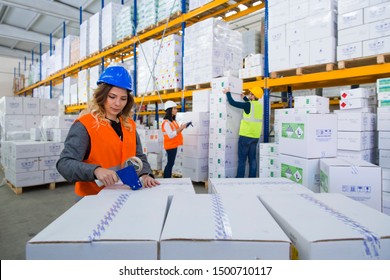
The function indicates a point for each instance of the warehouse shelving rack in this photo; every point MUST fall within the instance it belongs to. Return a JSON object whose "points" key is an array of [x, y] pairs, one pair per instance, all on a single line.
{"points": [[359, 74]]}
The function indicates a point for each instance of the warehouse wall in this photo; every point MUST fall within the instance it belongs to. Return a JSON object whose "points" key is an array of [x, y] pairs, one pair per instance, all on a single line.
{"points": [[7, 66]]}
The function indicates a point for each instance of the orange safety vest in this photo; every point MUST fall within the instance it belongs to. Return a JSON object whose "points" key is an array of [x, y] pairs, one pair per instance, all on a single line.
{"points": [[107, 150], [171, 143]]}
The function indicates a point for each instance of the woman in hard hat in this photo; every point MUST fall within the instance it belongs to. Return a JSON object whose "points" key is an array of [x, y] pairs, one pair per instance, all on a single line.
{"points": [[104, 137], [172, 135]]}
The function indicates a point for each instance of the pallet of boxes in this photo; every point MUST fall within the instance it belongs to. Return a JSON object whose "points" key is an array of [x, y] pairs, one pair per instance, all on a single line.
{"points": [[33, 135]]}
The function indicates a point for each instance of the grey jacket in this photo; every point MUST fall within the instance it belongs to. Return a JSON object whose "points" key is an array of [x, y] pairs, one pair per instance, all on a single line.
{"points": [[77, 143]]}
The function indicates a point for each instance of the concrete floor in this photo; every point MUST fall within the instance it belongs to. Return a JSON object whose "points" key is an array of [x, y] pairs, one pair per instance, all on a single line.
{"points": [[23, 216]]}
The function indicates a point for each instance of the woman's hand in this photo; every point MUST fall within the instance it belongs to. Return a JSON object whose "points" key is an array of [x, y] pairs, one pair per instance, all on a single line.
{"points": [[108, 177], [148, 181]]}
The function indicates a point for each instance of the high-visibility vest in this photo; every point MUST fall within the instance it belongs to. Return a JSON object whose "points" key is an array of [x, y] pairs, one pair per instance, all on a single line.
{"points": [[171, 143], [252, 123], [107, 150]]}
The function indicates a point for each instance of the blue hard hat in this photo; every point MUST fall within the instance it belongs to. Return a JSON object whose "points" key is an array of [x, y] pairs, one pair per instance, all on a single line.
{"points": [[116, 76]]}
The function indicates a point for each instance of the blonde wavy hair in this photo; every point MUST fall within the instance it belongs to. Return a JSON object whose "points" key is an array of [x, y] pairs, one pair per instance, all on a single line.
{"points": [[96, 107]]}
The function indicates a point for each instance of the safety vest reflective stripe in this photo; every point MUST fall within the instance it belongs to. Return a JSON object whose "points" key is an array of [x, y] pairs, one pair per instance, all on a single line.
{"points": [[171, 143]]}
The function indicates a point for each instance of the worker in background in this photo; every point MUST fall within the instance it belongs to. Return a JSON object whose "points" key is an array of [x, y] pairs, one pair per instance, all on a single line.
{"points": [[250, 131], [172, 135], [104, 137]]}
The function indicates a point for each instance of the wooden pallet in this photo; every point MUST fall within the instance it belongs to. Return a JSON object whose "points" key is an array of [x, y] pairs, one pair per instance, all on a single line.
{"points": [[252, 79], [170, 18], [303, 70], [198, 86], [364, 61], [19, 190]]}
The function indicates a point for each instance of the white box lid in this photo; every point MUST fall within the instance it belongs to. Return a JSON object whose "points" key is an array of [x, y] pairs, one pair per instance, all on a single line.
{"points": [[215, 217], [124, 217], [327, 217], [255, 186]]}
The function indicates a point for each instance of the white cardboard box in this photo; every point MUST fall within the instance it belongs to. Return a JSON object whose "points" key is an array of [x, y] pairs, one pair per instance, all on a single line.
{"points": [[386, 203], [255, 186], [384, 158], [350, 51], [301, 170], [356, 179], [356, 121], [367, 155], [309, 135], [386, 179], [122, 226], [384, 140], [31, 106], [356, 140], [11, 105], [331, 226], [222, 227]]}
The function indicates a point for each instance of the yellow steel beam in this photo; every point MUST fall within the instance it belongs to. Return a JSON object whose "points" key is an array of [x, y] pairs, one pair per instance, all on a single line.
{"points": [[165, 96], [245, 12], [362, 74], [75, 108]]}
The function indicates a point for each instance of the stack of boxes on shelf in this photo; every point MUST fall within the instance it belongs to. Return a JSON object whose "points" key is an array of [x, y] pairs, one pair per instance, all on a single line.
{"points": [[95, 33], [253, 66], [69, 53], [196, 139], [383, 90], [28, 162], [301, 33], [124, 22], [210, 49], [357, 125], [169, 63], [251, 42], [168, 7], [84, 39], [147, 13], [224, 128], [305, 137], [110, 14], [145, 67], [152, 144], [363, 28]]}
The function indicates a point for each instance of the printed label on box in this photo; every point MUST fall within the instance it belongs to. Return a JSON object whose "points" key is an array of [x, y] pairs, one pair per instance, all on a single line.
{"points": [[323, 134], [293, 173], [293, 130]]}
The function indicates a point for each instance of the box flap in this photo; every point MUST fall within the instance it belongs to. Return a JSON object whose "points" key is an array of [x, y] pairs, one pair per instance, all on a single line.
{"points": [[215, 217], [168, 186], [101, 218], [255, 186]]}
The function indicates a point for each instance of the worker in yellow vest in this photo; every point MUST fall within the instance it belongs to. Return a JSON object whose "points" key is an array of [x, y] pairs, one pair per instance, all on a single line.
{"points": [[250, 132], [172, 135]]}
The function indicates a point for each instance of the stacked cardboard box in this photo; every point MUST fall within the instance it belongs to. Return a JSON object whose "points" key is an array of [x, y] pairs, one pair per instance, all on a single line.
{"points": [[356, 124], [224, 128], [362, 29], [169, 63], [210, 49], [383, 90], [124, 22], [145, 67], [304, 139], [269, 160], [147, 13], [301, 33], [110, 14]]}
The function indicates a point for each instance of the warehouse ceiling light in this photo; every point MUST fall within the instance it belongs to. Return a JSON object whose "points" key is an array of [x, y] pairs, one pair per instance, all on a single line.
{"points": [[242, 7], [228, 14]]}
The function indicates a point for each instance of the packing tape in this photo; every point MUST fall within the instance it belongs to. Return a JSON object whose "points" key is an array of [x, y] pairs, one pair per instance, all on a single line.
{"points": [[223, 229], [371, 242], [108, 217]]}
